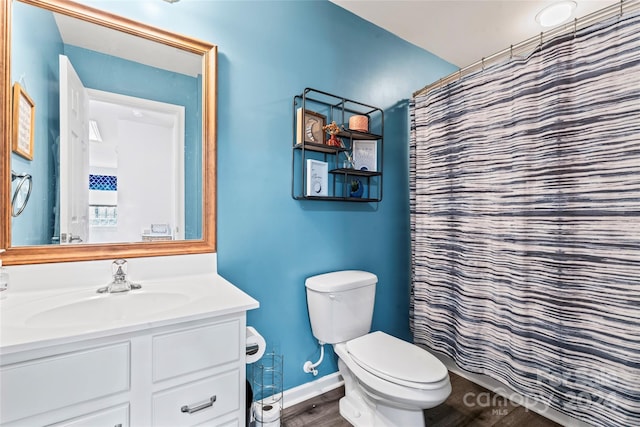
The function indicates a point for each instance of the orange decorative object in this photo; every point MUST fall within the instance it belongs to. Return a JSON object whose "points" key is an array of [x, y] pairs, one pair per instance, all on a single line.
{"points": [[334, 141], [359, 123]]}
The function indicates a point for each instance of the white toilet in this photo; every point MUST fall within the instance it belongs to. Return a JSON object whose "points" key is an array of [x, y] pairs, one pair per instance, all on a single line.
{"points": [[388, 382]]}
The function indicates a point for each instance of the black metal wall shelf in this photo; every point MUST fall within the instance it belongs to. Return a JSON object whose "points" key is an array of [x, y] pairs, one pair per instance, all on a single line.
{"points": [[328, 108]]}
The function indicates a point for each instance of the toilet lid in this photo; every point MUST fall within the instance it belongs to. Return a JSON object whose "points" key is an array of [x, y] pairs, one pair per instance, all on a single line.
{"points": [[393, 359]]}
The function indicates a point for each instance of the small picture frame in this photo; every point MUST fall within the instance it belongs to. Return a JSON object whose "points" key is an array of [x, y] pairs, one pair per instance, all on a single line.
{"points": [[309, 126], [365, 155], [317, 178], [24, 115]]}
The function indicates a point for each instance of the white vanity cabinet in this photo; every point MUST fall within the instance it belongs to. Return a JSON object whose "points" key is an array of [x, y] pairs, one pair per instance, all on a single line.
{"points": [[177, 374]]}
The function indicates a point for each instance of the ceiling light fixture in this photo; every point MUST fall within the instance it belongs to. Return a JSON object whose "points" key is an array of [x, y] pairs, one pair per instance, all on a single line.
{"points": [[556, 13]]}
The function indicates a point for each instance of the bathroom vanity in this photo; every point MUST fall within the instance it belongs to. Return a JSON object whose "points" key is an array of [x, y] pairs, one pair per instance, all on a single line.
{"points": [[169, 354]]}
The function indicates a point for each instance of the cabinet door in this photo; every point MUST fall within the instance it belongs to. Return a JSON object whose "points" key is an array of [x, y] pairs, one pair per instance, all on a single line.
{"points": [[42, 385], [191, 350]]}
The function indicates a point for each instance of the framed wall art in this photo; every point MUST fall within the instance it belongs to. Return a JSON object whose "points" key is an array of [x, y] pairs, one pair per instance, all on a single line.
{"points": [[365, 155], [317, 178], [24, 115], [309, 127]]}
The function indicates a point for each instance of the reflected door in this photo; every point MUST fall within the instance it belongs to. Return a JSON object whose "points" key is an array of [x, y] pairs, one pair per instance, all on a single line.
{"points": [[74, 156]]}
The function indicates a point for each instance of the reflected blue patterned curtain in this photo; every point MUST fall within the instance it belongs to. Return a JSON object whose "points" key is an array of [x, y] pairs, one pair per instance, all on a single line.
{"points": [[525, 222]]}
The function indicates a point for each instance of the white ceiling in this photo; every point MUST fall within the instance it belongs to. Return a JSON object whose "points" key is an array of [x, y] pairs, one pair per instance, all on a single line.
{"points": [[461, 31], [458, 31], [118, 43]]}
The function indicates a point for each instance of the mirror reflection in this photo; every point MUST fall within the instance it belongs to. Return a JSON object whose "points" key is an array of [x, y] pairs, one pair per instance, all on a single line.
{"points": [[118, 134]]}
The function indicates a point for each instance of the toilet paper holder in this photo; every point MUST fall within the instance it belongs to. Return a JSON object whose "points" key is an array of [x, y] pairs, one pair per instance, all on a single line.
{"points": [[255, 345], [267, 379]]}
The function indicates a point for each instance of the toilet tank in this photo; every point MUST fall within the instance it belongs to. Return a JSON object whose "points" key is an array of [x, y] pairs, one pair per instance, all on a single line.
{"points": [[341, 304]]}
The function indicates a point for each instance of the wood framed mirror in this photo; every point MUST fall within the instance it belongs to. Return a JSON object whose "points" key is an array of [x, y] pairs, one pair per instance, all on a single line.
{"points": [[196, 187]]}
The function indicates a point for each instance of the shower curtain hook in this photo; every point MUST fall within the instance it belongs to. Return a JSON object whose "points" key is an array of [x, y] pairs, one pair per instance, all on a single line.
{"points": [[575, 27], [482, 64], [510, 52]]}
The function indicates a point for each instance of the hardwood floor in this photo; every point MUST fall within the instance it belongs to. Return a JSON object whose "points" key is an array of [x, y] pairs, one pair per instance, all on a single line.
{"points": [[469, 405]]}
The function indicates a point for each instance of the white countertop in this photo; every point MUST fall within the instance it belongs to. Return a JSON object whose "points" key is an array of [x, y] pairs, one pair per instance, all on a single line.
{"points": [[25, 317]]}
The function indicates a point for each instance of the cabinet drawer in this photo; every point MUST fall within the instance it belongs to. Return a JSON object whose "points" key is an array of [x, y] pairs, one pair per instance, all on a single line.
{"points": [[42, 385], [232, 423], [216, 423], [112, 417], [223, 390], [192, 350]]}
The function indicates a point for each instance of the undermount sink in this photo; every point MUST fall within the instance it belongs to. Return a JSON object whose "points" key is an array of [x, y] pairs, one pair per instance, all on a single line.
{"points": [[106, 308]]}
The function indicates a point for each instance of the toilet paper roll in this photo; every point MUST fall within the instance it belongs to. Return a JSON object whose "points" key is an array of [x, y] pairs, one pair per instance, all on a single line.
{"points": [[255, 345], [267, 415]]}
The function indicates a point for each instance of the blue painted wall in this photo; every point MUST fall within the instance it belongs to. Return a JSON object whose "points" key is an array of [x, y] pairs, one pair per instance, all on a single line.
{"points": [[35, 225], [269, 243]]}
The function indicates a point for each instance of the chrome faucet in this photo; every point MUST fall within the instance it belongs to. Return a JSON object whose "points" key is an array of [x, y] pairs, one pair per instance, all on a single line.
{"points": [[120, 282]]}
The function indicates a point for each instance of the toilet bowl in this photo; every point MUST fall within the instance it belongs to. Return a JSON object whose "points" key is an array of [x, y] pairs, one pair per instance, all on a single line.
{"points": [[389, 382]]}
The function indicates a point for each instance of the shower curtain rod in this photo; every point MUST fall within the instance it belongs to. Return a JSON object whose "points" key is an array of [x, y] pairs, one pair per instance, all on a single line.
{"points": [[535, 42]]}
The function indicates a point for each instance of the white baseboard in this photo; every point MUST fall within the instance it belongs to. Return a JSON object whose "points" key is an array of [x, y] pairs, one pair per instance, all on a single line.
{"points": [[311, 389]]}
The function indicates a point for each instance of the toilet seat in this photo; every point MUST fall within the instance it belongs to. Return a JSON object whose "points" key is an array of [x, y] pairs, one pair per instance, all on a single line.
{"points": [[396, 361]]}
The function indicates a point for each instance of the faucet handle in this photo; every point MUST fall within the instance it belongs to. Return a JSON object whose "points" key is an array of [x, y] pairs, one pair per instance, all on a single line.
{"points": [[119, 268], [120, 282]]}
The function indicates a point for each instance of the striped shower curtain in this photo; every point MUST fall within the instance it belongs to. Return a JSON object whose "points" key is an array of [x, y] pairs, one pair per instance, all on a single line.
{"points": [[525, 223]]}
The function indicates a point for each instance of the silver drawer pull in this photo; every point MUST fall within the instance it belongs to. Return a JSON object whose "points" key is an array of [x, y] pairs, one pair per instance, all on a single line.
{"points": [[205, 405]]}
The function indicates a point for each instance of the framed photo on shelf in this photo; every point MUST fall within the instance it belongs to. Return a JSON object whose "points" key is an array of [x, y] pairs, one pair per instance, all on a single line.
{"points": [[365, 155], [317, 178], [309, 126], [24, 115]]}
